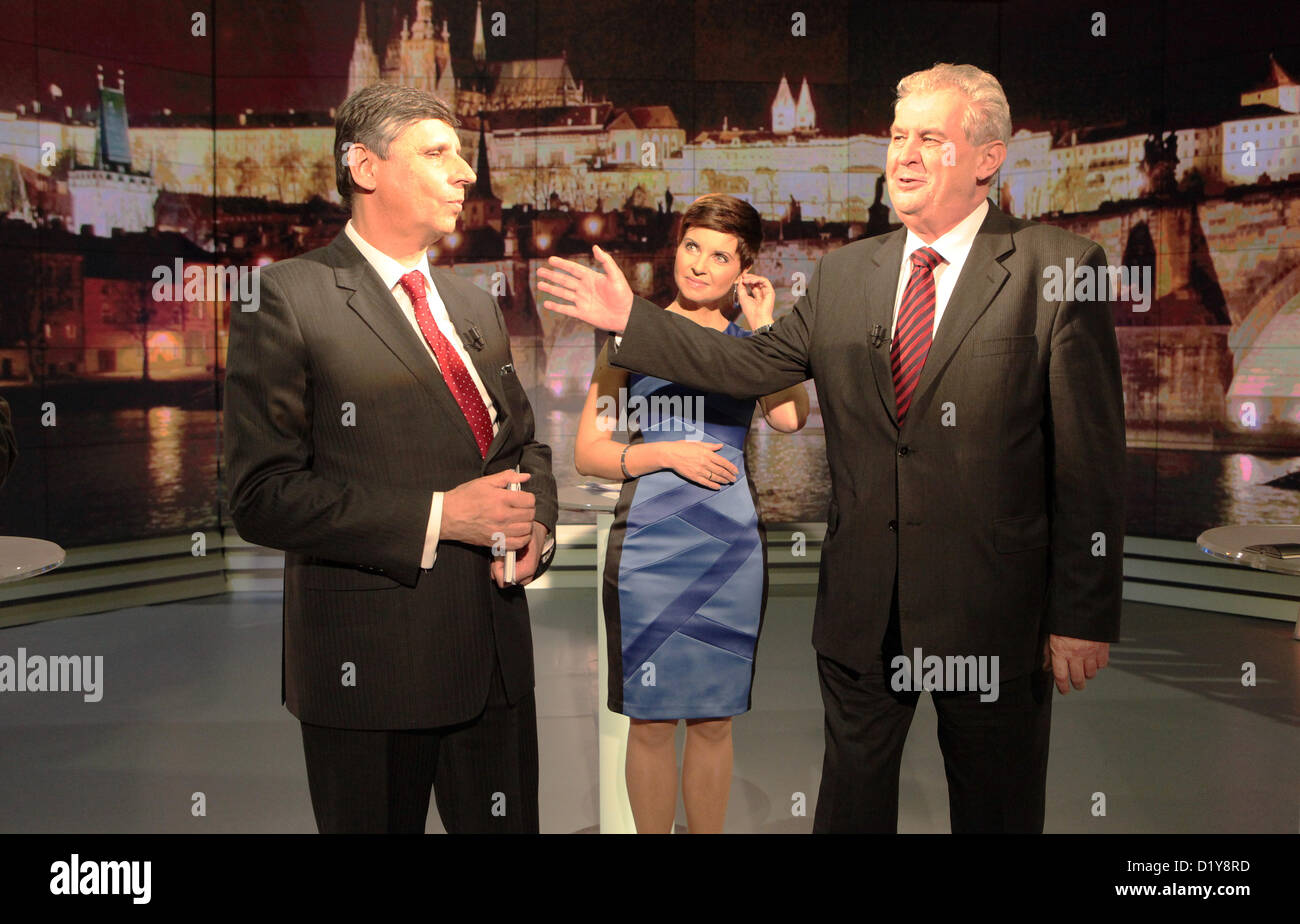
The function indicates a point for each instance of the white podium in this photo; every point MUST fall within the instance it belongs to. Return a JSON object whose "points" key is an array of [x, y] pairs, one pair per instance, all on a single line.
{"points": [[611, 728]]}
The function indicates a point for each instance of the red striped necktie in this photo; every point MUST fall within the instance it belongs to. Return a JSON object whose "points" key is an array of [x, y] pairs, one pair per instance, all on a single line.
{"points": [[915, 327], [453, 370]]}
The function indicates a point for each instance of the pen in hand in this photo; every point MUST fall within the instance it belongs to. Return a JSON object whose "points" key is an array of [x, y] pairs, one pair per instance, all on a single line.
{"points": [[510, 553]]}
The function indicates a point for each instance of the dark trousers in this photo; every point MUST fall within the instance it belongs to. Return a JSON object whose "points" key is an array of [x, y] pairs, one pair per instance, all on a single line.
{"points": [[482, 772], [994, 753]]}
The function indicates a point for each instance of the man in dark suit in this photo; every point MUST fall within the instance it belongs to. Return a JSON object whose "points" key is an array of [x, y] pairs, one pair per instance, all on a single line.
{"points": [[373, 423], [975, 435]]}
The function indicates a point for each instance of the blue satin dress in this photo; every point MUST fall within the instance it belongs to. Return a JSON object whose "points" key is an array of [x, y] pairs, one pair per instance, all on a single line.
{"points": [[685, 578]]}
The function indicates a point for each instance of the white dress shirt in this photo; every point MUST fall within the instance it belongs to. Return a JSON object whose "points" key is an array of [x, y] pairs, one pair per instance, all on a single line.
{"points": [[954, 247], [391, 272]]}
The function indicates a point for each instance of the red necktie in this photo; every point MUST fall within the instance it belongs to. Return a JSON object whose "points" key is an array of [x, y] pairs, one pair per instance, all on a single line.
{"points": [[915, 327], [453, 370]]}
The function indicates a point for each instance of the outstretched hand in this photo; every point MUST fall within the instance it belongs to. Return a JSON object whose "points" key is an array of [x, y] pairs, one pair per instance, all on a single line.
{"points": [[602, 300]]}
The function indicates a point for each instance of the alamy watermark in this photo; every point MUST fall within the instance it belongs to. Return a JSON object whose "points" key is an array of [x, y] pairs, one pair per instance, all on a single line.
{"points": [[76, 876], [949, 674], [209, 283], [1088, 283], [53, 674], [659, 413]]}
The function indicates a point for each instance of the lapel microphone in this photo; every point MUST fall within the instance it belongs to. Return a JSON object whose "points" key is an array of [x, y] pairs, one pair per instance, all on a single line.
{"points": [[473, 338], [878, 335]]}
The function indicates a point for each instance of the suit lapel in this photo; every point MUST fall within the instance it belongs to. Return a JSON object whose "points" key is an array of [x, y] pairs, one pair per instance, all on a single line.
{"points": [[463, 317], [982, 276], [880, 285], [383, 315]]}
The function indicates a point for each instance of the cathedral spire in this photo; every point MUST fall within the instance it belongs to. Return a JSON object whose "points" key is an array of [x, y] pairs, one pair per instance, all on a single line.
{"points": [[363, 69], [483, 185], [480, 46], [805, 116], [783, 109], [423, 28]]}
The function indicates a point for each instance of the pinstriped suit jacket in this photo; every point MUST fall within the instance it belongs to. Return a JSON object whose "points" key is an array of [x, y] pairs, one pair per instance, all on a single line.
{"points": [[998, 505], [338, 426]]}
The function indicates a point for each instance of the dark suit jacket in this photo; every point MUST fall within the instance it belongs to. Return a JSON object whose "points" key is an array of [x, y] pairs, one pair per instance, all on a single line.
{"points": [[989, 523], [349, 504]]}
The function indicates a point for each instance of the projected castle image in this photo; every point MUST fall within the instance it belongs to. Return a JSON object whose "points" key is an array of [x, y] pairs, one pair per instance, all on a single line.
{"points": [[98, 194]]}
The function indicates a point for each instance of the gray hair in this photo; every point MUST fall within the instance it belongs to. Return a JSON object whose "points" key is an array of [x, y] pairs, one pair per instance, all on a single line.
{"points": [[987, 116], [375, 116]]}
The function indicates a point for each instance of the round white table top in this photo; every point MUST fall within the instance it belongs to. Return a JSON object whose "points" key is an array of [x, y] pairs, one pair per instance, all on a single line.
{"points": [[1266, 548], [21, 557], [597, 498]]}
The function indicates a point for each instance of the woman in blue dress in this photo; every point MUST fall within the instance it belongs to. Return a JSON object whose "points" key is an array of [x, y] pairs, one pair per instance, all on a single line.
{"points": [[685, 571]]}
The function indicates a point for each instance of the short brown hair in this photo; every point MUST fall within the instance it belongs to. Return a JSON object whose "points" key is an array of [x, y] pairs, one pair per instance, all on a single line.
{"points": [[727, 215], [374, 116]]}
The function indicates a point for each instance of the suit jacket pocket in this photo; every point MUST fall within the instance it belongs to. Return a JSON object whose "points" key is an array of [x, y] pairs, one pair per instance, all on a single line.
{"points": [[1019, 534], [339, 576], [995, 345]]}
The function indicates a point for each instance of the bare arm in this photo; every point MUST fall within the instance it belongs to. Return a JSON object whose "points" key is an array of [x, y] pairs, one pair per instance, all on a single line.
{"points": [[787, 410], [596, 453]]}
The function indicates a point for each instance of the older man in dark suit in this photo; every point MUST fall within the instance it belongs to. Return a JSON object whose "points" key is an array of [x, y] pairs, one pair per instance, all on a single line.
{"points": [[975, 435], [373, 423]]}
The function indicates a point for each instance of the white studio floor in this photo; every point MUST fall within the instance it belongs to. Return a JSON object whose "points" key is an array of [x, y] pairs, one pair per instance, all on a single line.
{"points": [[191, 704]]}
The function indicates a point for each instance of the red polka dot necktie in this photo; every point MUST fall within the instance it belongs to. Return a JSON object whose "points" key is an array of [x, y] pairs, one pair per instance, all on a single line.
{"points": [[453, 370], [915, 328]]}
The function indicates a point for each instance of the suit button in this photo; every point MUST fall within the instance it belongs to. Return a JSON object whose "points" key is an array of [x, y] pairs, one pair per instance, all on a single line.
{"points": [[902, 450], [893, 526]]}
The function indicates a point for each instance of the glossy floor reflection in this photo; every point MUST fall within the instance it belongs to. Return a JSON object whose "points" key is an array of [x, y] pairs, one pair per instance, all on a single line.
{"points": [[190, 705]]}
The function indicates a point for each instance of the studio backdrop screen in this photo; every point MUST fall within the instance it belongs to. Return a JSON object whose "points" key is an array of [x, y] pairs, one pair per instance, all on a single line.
{"points": [[155, 155]]}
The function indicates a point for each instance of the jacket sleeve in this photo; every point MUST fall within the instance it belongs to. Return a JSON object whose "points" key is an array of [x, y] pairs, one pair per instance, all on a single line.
{"points": [[664, 344], [1086, 446], [276, 499], [534, 458]]}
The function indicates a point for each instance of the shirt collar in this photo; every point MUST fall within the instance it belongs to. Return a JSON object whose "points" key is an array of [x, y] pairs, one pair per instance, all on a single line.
{"points": [[389, 270], [956, 243]]}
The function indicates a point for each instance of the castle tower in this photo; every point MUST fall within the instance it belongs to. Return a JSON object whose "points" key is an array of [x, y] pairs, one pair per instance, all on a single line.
{"points": [[1280, 91], [783, 109], [418, 67], [363, 69], [445, 85], [805, 116], [482, 207]]}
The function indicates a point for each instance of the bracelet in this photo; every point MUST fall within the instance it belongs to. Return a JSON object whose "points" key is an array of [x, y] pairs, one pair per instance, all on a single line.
{"points": [[622, 462]]}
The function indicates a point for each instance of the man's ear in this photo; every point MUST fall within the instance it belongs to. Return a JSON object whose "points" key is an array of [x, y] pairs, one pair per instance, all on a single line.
{"points": [[362, 164], [995, 154]]}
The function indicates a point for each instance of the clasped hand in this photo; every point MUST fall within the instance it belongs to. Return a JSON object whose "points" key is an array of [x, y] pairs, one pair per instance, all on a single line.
{"points": [[486, 512]]}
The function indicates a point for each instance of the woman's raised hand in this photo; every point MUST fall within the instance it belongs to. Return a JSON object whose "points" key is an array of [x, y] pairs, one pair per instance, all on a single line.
{"points": [[602, 300], [757, 299]]}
